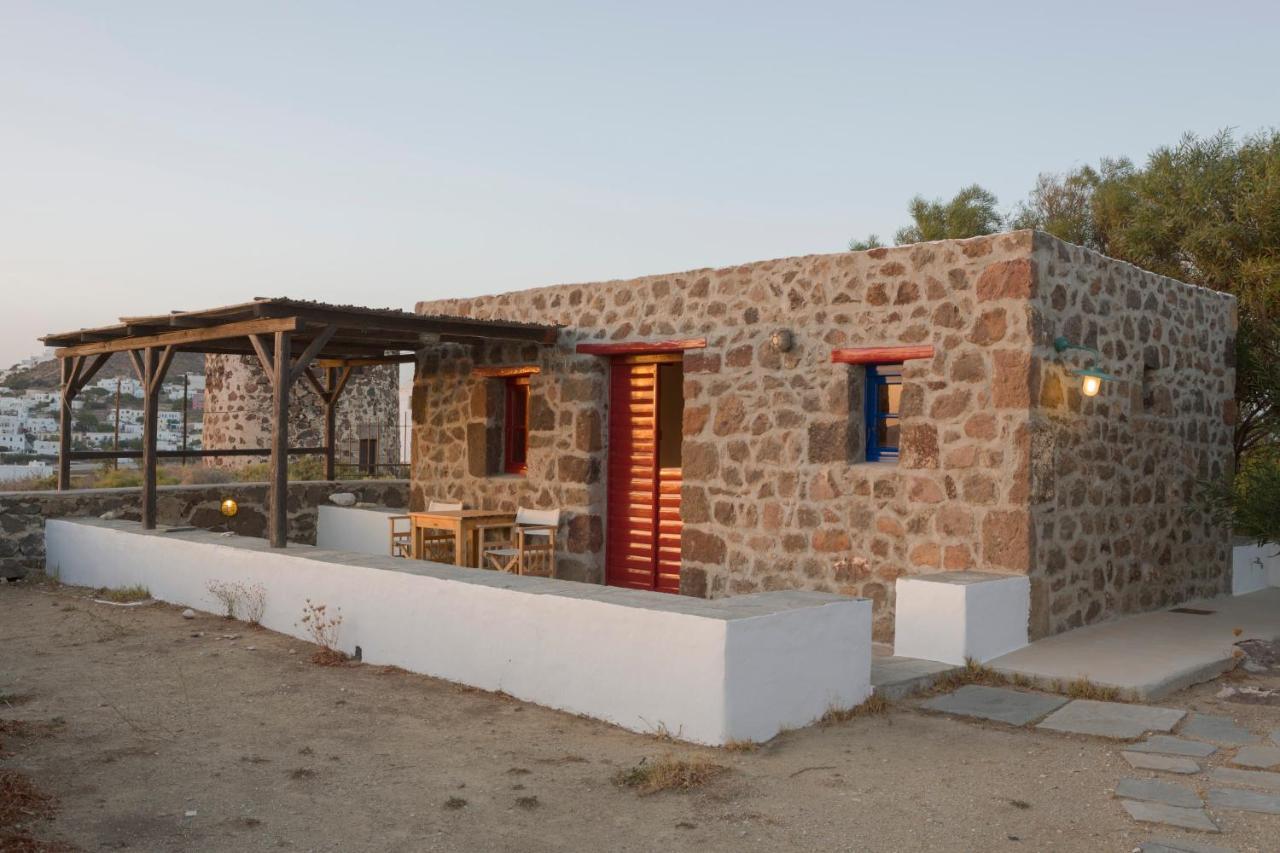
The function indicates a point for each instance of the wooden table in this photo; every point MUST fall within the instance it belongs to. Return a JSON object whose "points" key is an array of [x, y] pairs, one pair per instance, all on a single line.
{"points": [[462, 523]]}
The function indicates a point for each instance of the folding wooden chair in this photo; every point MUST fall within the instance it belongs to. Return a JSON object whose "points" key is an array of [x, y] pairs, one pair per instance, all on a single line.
{"points": [[531, 550]]}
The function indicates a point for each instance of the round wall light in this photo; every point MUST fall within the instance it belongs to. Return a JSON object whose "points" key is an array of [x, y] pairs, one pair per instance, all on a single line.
{"points": [[229, 507]]}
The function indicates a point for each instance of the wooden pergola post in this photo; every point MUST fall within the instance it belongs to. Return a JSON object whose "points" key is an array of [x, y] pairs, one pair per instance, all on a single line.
{"points": [[75, 375], [278, 498], [335, 379], [151, 365], [330, 423], [280, 367]]}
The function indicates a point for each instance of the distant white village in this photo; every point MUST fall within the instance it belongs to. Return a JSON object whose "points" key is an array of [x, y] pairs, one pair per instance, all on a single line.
{"points": [[107, 415]]}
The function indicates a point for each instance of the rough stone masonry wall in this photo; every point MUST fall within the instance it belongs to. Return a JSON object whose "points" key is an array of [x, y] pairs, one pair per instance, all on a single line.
{"points": [[22, 514], [1113, 489], [775, 493], [238, 411]]}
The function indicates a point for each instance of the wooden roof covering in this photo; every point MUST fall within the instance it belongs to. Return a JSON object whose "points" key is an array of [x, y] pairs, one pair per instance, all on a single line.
{"points": [[350, 332]]}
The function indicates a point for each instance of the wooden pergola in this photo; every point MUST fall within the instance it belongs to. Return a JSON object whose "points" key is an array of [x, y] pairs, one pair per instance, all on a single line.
{"points": [[291, 338]]}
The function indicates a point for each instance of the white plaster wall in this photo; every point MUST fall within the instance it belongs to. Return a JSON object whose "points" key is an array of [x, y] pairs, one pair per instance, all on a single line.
{"points": [[1254, 567], [358, 529], [705, 671], [956, 616]]}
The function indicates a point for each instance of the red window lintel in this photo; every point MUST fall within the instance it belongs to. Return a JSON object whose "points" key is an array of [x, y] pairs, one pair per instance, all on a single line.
{"points": [[880, 355]]}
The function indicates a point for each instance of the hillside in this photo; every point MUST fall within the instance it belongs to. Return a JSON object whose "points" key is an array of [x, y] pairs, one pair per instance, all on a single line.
{"points": [[45, 374]]}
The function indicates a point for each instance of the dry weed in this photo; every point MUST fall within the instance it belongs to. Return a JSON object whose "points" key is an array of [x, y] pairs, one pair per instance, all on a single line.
{"points": [[668, 773], [874, 704], [125, 594]]}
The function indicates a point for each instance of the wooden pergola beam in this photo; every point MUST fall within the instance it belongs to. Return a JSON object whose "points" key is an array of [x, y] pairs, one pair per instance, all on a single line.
{"points": [[185, 336]]}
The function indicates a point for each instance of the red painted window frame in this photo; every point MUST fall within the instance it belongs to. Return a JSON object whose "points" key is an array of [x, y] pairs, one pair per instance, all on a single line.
{"points": [[515, 434]]}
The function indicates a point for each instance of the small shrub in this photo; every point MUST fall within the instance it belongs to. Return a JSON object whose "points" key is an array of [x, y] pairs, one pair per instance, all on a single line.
{"points": [[323, 628], [668, 773], [239, 600], [125, 594], [226, 594]]}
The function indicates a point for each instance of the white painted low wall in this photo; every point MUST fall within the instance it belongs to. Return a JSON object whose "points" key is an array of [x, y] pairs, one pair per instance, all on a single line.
{"points": [[738, 668], [363, 530], [1254, 567], [956, 616]]}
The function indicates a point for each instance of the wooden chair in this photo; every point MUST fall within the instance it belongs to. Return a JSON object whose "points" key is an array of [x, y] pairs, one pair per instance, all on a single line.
{"points": [[438, 545], [401, 537], [532, 547]]}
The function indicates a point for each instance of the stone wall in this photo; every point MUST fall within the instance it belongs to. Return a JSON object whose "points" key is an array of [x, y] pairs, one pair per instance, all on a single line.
{"points": [[1117, 528], [238, 411], [776, 493], [22, 514]]}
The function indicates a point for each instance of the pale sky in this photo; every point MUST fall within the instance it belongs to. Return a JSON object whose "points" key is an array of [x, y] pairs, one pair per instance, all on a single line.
{"points": [[180, 155]]}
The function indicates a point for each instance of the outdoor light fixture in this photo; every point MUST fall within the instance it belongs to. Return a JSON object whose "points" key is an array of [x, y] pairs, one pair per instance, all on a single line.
{"points": [[1090, 377], [230, 507]]}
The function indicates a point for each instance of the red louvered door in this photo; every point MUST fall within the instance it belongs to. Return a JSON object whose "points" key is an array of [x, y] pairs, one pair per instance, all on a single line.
{"points": [[642, 548]]}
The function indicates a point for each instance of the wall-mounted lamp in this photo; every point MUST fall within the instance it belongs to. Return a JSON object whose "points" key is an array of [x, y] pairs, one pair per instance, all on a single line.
{"points": [[229, 507], [1090, 377]]}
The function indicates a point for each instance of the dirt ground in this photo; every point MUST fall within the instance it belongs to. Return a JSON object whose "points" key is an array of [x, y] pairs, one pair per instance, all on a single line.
{"points": [[153, 732]]}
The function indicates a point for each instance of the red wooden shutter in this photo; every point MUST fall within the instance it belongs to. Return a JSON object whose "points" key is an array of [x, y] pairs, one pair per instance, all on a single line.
{"points": [[668, 567], [631, 544]]}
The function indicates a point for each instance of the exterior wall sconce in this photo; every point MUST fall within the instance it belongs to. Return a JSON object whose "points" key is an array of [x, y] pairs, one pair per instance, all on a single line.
{"points": [[1090, 377], [229, 507]]}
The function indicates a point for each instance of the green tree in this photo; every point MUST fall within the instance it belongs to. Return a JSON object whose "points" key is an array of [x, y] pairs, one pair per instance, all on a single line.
{"points": [[871, 242], [970, 213], [1067, 205]]}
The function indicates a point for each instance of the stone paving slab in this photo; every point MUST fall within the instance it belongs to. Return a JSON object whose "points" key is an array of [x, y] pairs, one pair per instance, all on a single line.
{"points": [[1169, 745], [1170, 815], [1155, 791], [1164, 845], [996, 703], [1253, 778], [1275, 737], [1111, 719], [1245, 801], [1218, 729], [1167, 763], [1262, 757]]}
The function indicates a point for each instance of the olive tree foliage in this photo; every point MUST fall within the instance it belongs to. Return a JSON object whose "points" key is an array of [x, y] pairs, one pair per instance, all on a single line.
{"points": [[972, 212]]}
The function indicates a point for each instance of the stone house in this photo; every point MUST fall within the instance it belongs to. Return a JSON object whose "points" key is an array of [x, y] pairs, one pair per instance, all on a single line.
{"points": [[836, 422]]}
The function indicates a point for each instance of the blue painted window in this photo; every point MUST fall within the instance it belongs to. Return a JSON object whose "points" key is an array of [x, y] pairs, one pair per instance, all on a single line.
{"points": [[884, 393]]}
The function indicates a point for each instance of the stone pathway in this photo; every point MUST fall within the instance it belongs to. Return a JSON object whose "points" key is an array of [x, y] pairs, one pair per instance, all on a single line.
{"points": [[1167, 745], [1111, 719], [1161, 845], [1149, 800], [1015, 707], [1261, 757], [1153, 761], [1219, 730]]}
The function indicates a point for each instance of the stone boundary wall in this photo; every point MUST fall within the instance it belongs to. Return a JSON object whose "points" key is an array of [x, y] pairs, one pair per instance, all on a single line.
{"points": [[1117, 527], [23, 514]]}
